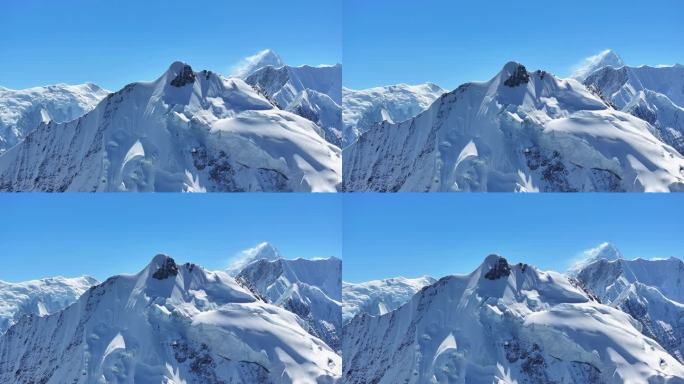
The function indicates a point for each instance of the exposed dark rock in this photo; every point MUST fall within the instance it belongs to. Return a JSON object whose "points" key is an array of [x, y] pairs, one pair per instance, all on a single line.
{"points": [[498, 270], [168, 269], [520, 76], [186, 76]]}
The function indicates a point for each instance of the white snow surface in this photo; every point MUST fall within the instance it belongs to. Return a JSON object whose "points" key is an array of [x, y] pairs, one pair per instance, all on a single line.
{"points": [[651, 291], [393, 103], [22, 111], [39, 297], [167, 324], [532, 131], [503, 324], [199, 131], [263, 250], [310, 288], [377, 297], [604, 251]]}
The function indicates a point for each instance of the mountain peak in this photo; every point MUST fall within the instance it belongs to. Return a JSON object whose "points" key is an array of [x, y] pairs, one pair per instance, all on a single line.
{"points": [[606, 58], [515, 74], [263, 250], [252, 63], [604, 251], [181, 74]]}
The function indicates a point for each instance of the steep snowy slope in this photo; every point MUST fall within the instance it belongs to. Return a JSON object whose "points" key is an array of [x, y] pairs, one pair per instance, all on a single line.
{"points": [[167, 324], [22, 111], [39, 297], [378, 297], [503, 324], [606, 58], [394, 103], [309, 288], [314, 93], [605, 251], [651, 291], [520, 131], [654, 94], [186, 131]]}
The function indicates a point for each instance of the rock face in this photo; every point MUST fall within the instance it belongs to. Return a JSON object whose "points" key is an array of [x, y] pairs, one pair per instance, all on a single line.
{"points": [[543, 134], [22, 111], [312, 289], [201, 133], [526, 326], [653, 94], [364, 108], [311, 92], [378, 297], [193, 326], [651, 291], [39, 297]]}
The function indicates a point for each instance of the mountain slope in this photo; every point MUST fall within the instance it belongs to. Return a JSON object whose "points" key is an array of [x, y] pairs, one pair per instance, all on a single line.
{"points": [[264, 250], [309, 288], [394, 103], [651, 291], [253, 63], [185, 131], [520, 131], [22, 111], [39, 297], [169, 323], [378, 297], [505, 324], [654, 94], [311, 92]]}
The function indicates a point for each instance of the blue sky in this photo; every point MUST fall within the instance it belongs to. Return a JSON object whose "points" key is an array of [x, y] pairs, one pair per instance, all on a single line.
{"points": [[451, 42], [113, 43], [105, 234], [411, 235]]}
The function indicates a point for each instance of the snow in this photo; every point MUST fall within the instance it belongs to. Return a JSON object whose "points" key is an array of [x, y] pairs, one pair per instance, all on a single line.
{"points": [[255, 62], [394, 103], [39, 297], [378, 297], [149, 136], [604, 251], [167, 323], [22, 111], [532, 131], [263, 250], [606, 58], [503, 323]]}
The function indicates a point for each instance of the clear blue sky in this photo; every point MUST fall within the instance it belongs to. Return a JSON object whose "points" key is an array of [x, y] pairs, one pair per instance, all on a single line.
{"points": [[101, 235], [452, 42], [113, 43], [411, 235]]}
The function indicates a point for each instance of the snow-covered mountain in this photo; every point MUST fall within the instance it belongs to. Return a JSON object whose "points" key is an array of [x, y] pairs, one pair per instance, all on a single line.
{"points": [[604, 251], [314, 93], [651, 291], [654, 94], [185, 131], [606, 58], [311, 289], [39, 297], [519, 131], [169, 323], [252, 63], [22, 111], [506, 324], [377, 297], [393, 103]]}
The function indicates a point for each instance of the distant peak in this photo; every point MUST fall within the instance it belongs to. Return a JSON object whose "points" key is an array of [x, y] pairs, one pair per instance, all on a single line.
{"points": [[262, 251], [496, 266], [606, 58], [604, 251], [163, 267], [259, 60]]}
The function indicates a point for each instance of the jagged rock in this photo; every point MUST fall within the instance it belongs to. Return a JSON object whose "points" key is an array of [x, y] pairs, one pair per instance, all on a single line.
{"points": [[186, 76]]}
